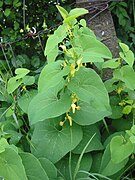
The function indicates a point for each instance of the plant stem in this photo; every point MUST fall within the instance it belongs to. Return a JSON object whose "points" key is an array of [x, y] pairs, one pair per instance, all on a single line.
{"points": [[80, 157]]}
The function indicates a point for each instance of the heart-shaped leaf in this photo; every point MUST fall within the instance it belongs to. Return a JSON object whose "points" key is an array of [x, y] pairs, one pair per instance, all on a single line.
{"points": [[120, 149], [51, 75], [94, 100], [33, 168], [49, 104], [51, 142]]}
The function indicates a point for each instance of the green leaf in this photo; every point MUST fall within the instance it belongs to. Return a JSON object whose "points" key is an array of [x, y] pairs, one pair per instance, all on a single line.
{"points": [[132, 139], [28, 80], [124, 47], [94, 145], [133, 129], [127, 54], [128, 57], [85, 165], [92, 48], [96, 162], [51, 75], [16, 81], [16, 25], [110, 64], [49, 167], [127, 109], [83, 22], [115, 107], [25, 100], [75, 13], [52, 141], [1, 3], [3, 144], [94, 100], [8, 2], [33, 168], [51, 49], [20, 60], [108, 167], [13, 84], [127, 75], [122, 124], [11, 167], [21, 72], [62, 11], [49, 104], [120, 149], [7, 12], [116, 112]]}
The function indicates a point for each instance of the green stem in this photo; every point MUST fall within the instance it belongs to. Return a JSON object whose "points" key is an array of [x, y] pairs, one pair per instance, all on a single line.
{"points": [[70, 167], [80, 157], [134, 11], [106, 126], [133, 111], [126, 169], [7, 61]]}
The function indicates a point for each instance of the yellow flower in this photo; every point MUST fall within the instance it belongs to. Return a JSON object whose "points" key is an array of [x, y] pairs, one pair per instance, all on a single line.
{"points": [[61, 123], [119, 90], [78, 108], [72, 69], [73, 107], [69, 118]]}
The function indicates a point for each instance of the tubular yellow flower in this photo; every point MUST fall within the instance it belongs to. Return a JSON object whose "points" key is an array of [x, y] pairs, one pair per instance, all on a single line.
{"points": [[70, 120], [73, 107]]}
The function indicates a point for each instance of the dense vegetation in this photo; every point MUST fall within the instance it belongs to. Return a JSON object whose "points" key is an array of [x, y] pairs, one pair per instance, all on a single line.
{"points": [[58, 118]]}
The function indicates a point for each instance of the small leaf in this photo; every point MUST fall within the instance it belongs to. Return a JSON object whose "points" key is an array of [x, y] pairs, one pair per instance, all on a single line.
{"points": [[13, 84], [16, 81], [127, 54], [75, 13], [83, 22], [1, 3], [133, 129], [62, 11], [51, 49], [124, 47], [120, 149], [108, 167], [3, 144], [129, 101], [127, 109], [132, 139], [21, 72], [7, 12], [110, 64], [127, 75]]}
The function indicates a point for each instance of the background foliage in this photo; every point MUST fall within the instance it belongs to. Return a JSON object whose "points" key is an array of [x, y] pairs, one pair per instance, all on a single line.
{"points": [[20, 67]]}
